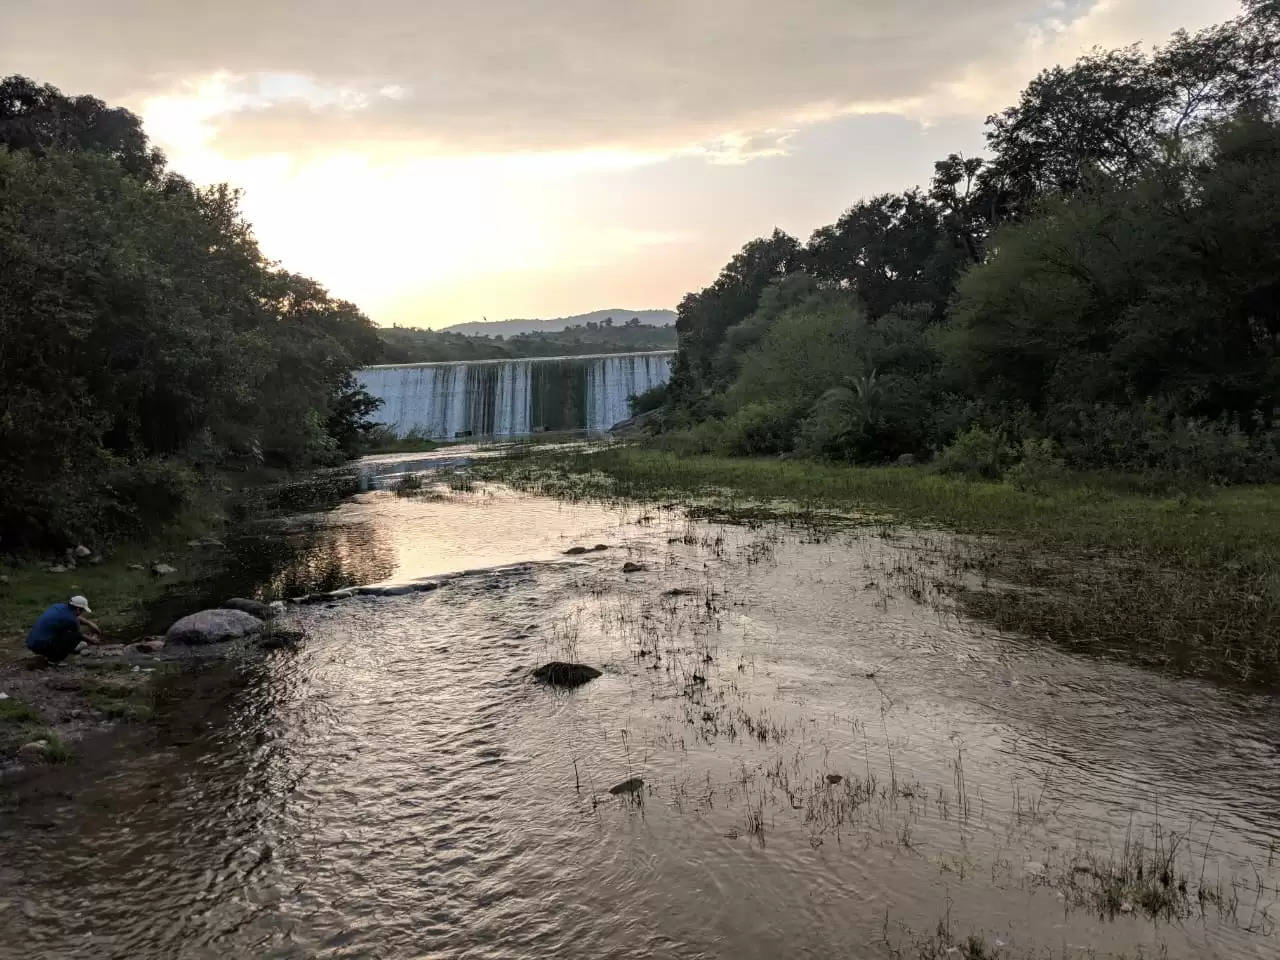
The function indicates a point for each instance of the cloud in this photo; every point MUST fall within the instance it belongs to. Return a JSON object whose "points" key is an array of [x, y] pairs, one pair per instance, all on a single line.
{"points": [[509, 75]]}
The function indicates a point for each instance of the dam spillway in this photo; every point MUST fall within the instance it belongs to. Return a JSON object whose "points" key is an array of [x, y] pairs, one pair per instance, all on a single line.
{"points": [[510, 398]]}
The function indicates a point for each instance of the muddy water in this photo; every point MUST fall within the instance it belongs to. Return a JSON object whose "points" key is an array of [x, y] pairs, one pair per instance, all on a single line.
{"points": [[398, 788]]}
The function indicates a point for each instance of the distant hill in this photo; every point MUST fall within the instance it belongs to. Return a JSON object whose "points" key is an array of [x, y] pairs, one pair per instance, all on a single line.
{"points": [[507, 328]]}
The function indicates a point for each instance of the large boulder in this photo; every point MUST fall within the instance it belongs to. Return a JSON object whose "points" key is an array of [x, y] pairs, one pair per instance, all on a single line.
{"points": [[214, 626], [255, 608]]}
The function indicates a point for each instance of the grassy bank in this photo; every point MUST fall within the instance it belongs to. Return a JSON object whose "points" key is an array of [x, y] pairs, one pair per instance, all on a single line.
{"points": [[129, 600], [1187, 583]]}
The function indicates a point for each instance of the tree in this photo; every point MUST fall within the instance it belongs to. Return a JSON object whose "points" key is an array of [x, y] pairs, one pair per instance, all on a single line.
{"points": [[891, 249], [1114, 113], [40, 118], [1165, 289], [703, 317]]}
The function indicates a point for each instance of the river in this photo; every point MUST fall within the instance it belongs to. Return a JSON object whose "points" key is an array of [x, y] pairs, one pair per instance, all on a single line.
{"points": [[834, 763]]}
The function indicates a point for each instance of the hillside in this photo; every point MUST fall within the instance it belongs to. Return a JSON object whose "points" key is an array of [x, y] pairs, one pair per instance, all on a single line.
{"points": [[413, 345], [508, 328]]}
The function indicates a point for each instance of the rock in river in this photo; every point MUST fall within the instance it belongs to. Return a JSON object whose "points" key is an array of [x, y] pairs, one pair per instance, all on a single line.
{"points": [[255, 608], [634, 785], [559, 674], [162, 569], [279, 639], [633, 567], [212, 626], [575, 551]]}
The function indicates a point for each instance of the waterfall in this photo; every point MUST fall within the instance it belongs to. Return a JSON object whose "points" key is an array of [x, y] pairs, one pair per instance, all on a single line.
{"points": [[510, 398]]}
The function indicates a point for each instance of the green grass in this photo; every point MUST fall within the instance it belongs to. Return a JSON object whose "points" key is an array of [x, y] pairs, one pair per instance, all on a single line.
{"points": [[410, 444], [22, 723], [119, 700], [1189, 583], [14, 712]]}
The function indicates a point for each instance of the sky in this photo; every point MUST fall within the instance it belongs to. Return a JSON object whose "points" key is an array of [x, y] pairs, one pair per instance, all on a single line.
{"points": [[442, 161]]}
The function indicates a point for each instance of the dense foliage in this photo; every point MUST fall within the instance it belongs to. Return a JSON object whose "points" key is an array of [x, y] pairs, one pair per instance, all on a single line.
{"points": [[415, 345], [144, 339], [1103, 291]]}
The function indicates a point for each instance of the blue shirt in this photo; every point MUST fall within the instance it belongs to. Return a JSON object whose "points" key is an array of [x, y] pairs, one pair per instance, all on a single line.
{"points": [[53, 623]]}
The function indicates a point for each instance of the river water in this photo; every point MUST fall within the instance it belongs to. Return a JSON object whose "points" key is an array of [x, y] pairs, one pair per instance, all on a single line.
{"points": [[833, 764]]}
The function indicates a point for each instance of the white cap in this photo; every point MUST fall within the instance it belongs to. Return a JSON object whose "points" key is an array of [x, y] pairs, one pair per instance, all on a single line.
{"points": [[80, 602]]}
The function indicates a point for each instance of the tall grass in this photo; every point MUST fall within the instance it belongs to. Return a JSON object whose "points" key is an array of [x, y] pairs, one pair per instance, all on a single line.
{"points": [[1099, 560]]}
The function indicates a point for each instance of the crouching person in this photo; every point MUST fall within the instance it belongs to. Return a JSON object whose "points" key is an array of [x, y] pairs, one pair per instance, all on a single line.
{"points": [[60, 630]]}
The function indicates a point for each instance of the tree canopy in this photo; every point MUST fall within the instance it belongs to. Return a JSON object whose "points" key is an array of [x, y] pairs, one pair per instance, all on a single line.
{"points": [[1103, 281], [143, 336]]}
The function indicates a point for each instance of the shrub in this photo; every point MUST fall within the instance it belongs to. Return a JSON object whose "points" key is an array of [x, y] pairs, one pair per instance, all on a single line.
{"points": [[761, 428], [649, 400], [832, 428], [146, 494], [1153, 439], [1040, 464], [976, 452]]}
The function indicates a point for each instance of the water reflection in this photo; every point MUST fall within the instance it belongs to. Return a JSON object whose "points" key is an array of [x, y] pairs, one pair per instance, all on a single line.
{"points": [[397, 788]]}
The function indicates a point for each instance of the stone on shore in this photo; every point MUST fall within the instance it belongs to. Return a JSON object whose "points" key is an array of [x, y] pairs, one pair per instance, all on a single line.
{"points": [[255, 608], [149, 646], [34, 752], [559, 674], [213, 626]]}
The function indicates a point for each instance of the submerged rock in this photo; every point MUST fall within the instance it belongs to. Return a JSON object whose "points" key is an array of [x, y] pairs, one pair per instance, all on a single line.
{"points": [[214, 626], [575, 551], [632, 567], [399, 590], [560, 674], [255, 608], [276, 639], [834, 778], [634, 785], [162, 569]]}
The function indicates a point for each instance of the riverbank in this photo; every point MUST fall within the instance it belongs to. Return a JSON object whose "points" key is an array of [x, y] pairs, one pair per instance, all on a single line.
{"points": [[1189, 584], [136, 590]]}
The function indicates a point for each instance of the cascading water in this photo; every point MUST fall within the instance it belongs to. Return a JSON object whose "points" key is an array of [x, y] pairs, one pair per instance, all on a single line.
{"points": [[509, 398]]}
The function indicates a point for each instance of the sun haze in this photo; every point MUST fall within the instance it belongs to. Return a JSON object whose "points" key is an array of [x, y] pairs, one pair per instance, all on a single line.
{"points": [[440, 162]]}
